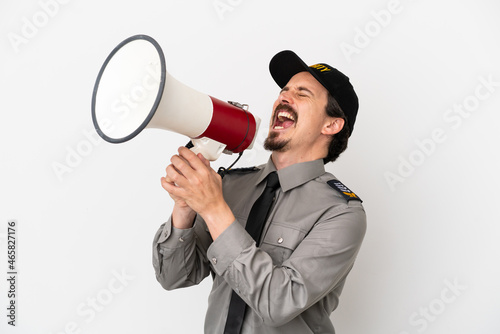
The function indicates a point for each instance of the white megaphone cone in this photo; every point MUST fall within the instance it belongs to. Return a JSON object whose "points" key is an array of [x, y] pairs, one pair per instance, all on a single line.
{"points": [[134, 91]]}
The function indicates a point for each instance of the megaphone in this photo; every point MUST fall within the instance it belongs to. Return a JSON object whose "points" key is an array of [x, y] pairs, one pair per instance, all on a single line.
{"points": [[134, 91]]}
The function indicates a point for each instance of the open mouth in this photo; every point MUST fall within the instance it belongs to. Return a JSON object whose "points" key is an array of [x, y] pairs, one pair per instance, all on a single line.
{"points": [[284, 119]]}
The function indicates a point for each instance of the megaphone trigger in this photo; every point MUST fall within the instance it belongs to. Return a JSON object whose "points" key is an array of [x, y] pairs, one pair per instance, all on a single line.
{"points": [[222, 170], [209, 148]]}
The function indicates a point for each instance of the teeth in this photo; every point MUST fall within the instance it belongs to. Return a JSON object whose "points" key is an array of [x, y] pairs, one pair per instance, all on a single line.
{"points": [[278, 127], [286, 114]]}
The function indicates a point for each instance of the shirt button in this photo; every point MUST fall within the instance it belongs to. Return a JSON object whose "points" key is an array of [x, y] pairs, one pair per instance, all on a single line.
{"points": [[181, 239], [214, 260], [280, 240]]}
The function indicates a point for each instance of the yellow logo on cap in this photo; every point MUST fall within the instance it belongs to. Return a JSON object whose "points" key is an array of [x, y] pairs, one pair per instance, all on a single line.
{"points": [[321, 67]]}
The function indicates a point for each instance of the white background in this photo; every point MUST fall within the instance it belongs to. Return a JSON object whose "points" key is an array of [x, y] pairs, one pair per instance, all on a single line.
{"points": [[429, 263]]}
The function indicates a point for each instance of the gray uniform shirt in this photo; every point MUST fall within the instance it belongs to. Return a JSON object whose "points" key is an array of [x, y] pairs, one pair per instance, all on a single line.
{"points": [[292, 280]]}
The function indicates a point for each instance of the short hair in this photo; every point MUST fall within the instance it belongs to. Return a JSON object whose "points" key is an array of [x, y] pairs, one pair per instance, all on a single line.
{"points": [[338, 144]]}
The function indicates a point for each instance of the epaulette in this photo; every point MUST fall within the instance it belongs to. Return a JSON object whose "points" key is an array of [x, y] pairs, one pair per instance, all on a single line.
{"points": [[343, 190], [222, 171], [242, 170]]}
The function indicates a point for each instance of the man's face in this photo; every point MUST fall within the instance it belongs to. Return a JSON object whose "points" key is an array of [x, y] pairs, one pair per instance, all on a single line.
{"points": [[299, 116]]}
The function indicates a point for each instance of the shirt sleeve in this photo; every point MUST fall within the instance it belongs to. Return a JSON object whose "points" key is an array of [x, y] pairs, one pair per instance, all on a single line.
{"points": [[317, 266], [179, 255]]}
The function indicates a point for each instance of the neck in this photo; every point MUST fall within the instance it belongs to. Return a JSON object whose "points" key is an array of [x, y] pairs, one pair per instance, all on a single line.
{"points": [[285, 159]]}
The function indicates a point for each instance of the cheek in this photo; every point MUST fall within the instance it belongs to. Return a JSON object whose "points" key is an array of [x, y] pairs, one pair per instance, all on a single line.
{"points": [[275, 104], [311, 127], [271, 119]]}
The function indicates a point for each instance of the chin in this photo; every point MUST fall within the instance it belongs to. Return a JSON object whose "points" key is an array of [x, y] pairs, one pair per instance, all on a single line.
{"points": [[274, 144]]}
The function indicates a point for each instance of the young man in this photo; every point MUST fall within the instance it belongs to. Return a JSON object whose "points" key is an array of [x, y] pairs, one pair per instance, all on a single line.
{"points": [[289, 273]]}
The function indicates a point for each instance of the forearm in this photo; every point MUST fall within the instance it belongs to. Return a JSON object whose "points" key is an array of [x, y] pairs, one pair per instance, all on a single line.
{"points": [[179, 255], [218, 218], [183, 217]]}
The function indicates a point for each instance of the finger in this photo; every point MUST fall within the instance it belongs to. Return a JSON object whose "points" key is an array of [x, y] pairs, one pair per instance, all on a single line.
{"points": [[205, 161], [173, 170], [175, 176], [165, 184], [172, 189], [181, 168], [191, 158], [167, 180], [167, 177]]}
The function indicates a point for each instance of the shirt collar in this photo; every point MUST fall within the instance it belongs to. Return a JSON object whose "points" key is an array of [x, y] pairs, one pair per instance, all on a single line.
{"points": [[295, 175]]}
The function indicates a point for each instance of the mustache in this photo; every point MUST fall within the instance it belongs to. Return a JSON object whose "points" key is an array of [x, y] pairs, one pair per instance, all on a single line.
{"points": [[285, 107]]}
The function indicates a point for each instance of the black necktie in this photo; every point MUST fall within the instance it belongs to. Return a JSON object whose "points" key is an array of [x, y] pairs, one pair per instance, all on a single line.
{"points": [[255, 225]]}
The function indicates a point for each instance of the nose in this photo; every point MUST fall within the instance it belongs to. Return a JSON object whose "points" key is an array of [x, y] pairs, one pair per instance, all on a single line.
{"points": [[285, 97]]}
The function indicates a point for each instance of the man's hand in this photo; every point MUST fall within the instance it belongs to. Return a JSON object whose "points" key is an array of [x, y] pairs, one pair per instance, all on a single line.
{"points": [[182, 215], [195, 187]]}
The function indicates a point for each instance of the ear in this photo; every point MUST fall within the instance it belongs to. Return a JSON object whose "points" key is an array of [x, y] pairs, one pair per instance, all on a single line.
{"points": [[333, 125]]}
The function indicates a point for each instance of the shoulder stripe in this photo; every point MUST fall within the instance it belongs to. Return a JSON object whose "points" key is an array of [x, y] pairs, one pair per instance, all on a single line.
{"points": [[343, 190], [242, 170]]}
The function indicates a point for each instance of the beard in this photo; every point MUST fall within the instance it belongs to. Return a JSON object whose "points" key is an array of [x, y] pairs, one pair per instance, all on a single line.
{"points": [[273, 144]]}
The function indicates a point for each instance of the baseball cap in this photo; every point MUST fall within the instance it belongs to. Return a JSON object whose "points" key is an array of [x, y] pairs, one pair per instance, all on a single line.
{"points": [[285, 64]]}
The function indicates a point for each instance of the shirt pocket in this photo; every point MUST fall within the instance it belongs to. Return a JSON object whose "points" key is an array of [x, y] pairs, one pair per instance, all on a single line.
{"points": [[280, 241]]}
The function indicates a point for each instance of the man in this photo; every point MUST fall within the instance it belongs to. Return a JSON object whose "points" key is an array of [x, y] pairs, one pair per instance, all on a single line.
{"points": [[291, 271]]}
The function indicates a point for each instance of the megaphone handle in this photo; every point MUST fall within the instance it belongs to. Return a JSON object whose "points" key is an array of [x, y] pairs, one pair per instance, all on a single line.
{"points": [[222, 170], [209, 148]]}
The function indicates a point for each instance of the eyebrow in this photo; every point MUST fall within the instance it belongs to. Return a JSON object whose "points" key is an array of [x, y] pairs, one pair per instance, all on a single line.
{"points": [[300, 88]]}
